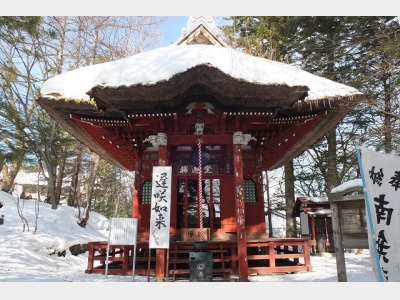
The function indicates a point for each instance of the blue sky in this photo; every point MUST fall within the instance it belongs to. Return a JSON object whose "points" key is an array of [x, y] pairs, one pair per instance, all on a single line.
{"points": [[173, 28]]}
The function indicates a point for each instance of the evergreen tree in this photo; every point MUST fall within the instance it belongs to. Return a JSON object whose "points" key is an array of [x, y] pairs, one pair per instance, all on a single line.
{"points": [[347, 49], [17, 85], [357, 51]]}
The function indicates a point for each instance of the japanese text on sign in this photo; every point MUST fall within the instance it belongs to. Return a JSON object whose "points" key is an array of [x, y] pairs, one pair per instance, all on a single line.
{"points": [[382, 183], [123, 231], [160, 207], [194, 170]]}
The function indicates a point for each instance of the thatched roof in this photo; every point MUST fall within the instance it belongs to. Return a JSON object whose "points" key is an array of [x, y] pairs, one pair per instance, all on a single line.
{"points": [[160, 80]]}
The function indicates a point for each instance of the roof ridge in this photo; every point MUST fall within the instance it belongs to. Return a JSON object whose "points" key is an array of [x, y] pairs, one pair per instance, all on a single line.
{"points": [[208, 23]]}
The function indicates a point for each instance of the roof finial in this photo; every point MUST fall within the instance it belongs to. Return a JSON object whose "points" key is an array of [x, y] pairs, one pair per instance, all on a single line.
{"points": [[201, 26]]}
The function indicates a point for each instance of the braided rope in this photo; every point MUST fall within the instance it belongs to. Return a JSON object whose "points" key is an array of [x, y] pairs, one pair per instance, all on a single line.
{"points": [[200, 191]]}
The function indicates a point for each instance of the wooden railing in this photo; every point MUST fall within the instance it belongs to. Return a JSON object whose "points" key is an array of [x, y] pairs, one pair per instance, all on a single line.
{"points": [[97, 256], [276, 255]]}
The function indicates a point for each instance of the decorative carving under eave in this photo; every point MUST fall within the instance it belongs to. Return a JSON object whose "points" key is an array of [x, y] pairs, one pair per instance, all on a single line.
{"points": [[200, 106], [157, 140], [242, 139], [199, 127]]}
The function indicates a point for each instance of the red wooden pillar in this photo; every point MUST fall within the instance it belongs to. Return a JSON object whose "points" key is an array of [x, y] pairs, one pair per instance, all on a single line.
{"points": [[314, 237], [238, 141], [135, 189], [161, 253], [135, 197]]}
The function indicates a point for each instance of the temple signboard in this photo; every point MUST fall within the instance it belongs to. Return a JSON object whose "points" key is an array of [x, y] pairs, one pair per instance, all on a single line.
{"points": [[194, 170]]}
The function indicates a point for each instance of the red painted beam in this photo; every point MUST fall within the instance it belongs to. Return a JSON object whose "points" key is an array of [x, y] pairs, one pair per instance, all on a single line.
{"points": [[218, 139]]}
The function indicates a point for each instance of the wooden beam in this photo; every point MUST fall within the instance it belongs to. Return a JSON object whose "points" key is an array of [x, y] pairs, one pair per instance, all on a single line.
{"points": [[218, 139]]}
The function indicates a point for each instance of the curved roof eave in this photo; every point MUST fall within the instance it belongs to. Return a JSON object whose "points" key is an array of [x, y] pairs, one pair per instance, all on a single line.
{"points": [[162, 64]]}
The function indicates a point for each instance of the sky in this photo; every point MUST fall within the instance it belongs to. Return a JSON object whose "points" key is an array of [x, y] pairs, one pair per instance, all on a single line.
{"points": [[28, 260], [173, 28]]}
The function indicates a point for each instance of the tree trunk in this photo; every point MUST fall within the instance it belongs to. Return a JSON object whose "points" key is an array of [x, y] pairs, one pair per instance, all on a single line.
{"points": [[269, 211], [94, 163], [332, 174], [9, 175], [73, 191], [60, 176], [291, 229], [387, 129], [60, 48], [50, 161]]}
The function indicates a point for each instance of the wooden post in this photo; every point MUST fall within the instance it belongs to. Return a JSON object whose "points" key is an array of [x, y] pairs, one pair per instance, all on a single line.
{"points": [[160, 141], [307, 259], [337, 239], [238, 140], [125, 258], [271, 252], [135, 197], [135, 187], [240, 214], [314, 237], [90, 257]]}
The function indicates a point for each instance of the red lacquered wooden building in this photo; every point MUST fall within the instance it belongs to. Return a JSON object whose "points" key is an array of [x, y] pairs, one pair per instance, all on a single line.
{"points": [[248, 114]]}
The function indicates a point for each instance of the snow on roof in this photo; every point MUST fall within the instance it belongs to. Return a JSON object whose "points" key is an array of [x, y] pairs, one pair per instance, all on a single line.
{"points": [[326, 211], [352, 184], [312, 199], [158, 65], [317, 199], [73, 84]]}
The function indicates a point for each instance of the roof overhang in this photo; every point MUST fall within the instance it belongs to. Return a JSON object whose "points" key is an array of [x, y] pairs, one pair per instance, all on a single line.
{"points": [[162, 80]]}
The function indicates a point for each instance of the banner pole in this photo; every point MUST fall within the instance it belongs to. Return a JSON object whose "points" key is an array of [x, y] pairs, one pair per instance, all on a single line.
{"points": [[369, 215]]}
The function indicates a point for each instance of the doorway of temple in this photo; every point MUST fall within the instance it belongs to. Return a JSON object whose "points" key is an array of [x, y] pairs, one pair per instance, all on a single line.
{"points": [[188, 204]]}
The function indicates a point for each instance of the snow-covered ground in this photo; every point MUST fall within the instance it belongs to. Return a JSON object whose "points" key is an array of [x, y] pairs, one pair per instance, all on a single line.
{"points": [[28, 258]]}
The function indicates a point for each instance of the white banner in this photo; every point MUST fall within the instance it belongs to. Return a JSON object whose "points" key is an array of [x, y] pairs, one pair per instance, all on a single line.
{"points": [[381, 180], [160, 207]]}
